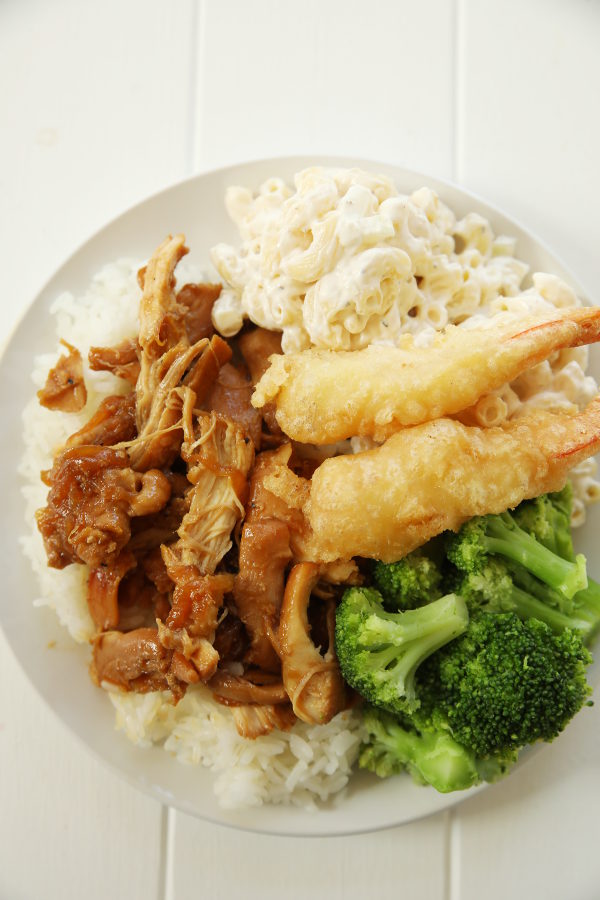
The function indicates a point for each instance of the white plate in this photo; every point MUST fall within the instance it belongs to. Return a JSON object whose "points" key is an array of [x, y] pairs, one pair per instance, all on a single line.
{"points": [[60, 674]]}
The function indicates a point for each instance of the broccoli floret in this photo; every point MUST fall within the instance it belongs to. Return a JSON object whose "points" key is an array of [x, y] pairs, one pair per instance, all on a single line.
{"points": [[409, 582], [379, 652], [485, 536], [548, 519], [499, 587], [505, 683], [431, 756]]}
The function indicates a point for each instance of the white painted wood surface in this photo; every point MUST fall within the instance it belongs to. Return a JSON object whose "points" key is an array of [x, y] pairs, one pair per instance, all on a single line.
{"points": [[104, 102]]}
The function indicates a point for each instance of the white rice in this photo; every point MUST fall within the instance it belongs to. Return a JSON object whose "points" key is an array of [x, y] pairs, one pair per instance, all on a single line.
{"points": [[307, 764], [302, 767]]}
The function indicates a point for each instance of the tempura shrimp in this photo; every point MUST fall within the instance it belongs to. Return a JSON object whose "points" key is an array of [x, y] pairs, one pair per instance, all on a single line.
{"points": [[322, 396], [423, 480]]}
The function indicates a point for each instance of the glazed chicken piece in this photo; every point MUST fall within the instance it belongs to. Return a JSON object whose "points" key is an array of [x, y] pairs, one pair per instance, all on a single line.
{"points": [[149, 532], [133, 661], [257, 347], [173, 372], [191, 624], [137, 661], [65, 388], [197, 301], [203, 374], [218, 456], [141, 602], [112, 423], [385, 502], [155, 570], [103, 590], [93, 496], [312, 681], [258, 591], [122, 360], [274, 534], [230, 396], [231, 640], [254, 720], [161, 316], [263, 558], [160, 435], [232, 690], [324, 396], [257, 707]]}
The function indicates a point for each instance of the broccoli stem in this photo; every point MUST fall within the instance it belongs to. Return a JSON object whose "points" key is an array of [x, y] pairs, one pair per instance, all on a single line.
{"points": [[526, 606], [587, 605], [505, 538], [433, 758], [582, 612]]}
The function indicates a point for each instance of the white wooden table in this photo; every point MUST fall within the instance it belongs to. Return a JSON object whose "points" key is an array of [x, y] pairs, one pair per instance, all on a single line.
{"points": [[102, 103]]}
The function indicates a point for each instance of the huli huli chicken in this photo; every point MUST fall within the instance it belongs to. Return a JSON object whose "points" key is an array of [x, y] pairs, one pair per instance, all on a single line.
{"points": [[218, 549]]}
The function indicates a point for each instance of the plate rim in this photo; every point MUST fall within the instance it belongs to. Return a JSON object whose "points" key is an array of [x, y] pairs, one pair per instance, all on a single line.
{"points": [[443, 802]]}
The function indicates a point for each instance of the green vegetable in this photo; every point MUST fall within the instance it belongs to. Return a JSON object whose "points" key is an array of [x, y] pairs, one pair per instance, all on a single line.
{"points": [[431, 756], [458, 684], [548, 519], [484, 536], [501, 685], [506, 683], [379, 652], [410, 582], [493, 589]]}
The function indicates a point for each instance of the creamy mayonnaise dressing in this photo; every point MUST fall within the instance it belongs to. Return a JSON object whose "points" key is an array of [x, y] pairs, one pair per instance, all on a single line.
{"points": [[344, 260]]}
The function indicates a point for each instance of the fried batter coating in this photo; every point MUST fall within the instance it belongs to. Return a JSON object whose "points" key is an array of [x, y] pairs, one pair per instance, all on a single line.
{"points": [[424, 480], [325, 396]]}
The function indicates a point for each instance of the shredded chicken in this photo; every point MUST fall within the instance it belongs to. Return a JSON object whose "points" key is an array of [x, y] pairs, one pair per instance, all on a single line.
{"points": [[137, 661], [112, 423], [198, 301], [103, 590], [257, 347], [230, 396], [313, 681], [122, 360], [161, 316], [233, 690], [93, 496], [65, 388], [191, 624], [253, 721], [218, 460], [141, 602]]}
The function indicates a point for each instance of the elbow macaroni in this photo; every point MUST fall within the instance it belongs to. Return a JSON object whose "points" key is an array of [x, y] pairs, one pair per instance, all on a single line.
{"points": [[344, 260]]}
